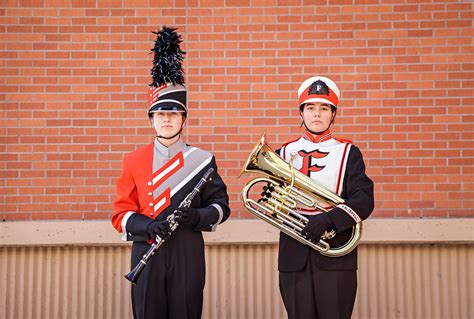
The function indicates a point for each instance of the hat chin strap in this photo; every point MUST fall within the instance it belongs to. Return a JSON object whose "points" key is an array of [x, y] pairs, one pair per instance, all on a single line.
{"points": [[171, 137], [313, 132], [318, 133]]}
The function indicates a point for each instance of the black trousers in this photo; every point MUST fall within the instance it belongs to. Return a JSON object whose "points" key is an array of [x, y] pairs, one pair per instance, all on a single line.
{"points": [[171, 284], [319, 294]]}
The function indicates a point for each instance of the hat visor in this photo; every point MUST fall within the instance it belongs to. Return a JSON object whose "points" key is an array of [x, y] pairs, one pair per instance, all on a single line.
{"points": [[167, 106]]}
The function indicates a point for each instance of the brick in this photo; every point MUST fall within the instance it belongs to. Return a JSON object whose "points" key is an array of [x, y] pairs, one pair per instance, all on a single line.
{"points": [[90, 93]]}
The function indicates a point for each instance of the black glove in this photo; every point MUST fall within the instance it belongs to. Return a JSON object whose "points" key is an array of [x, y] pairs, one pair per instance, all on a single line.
{"points": [[160, 228], [316, 226], [187, 216]]}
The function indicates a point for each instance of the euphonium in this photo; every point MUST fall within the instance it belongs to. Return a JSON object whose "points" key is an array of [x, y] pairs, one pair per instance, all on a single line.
{"points": [[285, 189]]}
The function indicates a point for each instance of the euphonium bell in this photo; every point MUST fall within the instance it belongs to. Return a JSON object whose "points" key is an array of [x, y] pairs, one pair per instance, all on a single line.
{"points": [[285, 189]]}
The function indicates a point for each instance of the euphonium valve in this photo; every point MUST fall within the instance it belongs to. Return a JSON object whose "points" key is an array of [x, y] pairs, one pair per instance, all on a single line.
{"points": [[284, 190]]}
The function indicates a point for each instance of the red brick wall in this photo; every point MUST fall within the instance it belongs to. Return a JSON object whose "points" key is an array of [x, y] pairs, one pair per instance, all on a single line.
{"points": [[75, 75]]}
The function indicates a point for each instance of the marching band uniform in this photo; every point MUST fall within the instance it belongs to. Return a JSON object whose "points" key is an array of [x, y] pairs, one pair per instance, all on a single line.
{"points": [[155, 179], [313, 285]]}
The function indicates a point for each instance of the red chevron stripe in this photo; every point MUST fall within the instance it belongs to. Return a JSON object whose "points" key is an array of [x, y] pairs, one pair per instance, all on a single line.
{"points": [[161, 202], [168, 169]]}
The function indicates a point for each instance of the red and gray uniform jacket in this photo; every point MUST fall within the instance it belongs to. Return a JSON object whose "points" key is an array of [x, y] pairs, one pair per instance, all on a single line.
{"points": [[339, 167], [155, 179]]}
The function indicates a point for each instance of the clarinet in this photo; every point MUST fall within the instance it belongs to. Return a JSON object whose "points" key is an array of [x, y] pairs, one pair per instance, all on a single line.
{"points": [[133, 275]]}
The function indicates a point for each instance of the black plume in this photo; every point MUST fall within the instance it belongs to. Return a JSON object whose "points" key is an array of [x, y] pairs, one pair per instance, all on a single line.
{"points": [[167, 58]]}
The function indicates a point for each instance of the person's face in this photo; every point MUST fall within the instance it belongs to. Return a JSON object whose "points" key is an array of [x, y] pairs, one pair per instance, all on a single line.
{"points": [[167, 124], [317, 116]]}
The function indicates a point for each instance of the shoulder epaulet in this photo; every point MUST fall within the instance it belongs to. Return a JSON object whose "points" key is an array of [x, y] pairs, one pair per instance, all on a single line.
{"points": [[343, 140], [198, 149], [290, 142]]}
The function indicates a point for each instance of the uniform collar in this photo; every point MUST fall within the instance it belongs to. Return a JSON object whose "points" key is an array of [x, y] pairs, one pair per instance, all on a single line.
{"points": [[318, 138], [169, 151]]}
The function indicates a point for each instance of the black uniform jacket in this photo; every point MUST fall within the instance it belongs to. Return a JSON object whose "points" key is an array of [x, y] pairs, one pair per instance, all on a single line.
{"points": [[357, 191]]}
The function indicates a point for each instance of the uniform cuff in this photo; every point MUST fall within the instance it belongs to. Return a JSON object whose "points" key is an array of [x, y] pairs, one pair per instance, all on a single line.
{"points": [[136, 227], [343, 217], [210, 217]]}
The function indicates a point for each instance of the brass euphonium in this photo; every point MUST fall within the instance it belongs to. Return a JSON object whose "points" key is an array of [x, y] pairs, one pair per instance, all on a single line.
{"points": [[285, 189]]}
